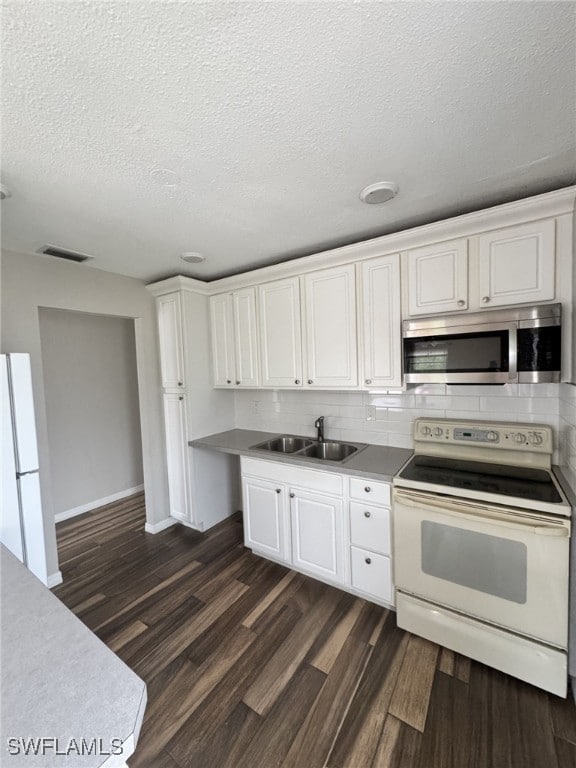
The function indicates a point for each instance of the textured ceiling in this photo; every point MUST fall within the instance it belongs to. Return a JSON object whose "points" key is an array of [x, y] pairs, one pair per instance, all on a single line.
{"points": [[133, 131]]}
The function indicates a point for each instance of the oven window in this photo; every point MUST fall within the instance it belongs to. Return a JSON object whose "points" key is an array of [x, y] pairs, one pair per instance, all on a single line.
{"points": [[458, 353], [489, 564]]}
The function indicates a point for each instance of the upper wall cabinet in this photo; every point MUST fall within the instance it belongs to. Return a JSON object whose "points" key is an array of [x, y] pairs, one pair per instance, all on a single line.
{"points": [[280, 333], [331, 347], [516, 264], [438, 278], [381, 342], [234, 339], [171, 342]]}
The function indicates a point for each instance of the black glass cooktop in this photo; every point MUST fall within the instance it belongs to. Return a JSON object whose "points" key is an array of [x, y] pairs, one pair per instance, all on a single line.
{"points": [[520, 482]]}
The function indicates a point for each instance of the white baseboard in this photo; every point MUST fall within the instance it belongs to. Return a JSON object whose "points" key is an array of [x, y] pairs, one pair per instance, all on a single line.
{"points": [[54, 579], [68, 513], [161, 526]]}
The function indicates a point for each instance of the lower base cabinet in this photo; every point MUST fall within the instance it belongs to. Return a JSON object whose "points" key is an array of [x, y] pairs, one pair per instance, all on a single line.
{"points": [[318, 523]]}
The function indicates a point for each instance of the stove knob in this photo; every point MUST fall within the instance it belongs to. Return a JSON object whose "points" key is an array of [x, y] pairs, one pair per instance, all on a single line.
{"points": [[535, 438], [492, 436], [438, 431], [426, 430], [519, 437]]}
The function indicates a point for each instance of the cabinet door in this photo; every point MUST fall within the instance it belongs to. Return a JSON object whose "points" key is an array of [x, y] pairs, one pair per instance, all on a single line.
{"points": [[331, 348], [280, 333], [317, 534], [516, 264], [266, 527], [381, 322], [438, 278], [222, 331], [170, 331], [372, 573], [245, 338], [177, 455]]}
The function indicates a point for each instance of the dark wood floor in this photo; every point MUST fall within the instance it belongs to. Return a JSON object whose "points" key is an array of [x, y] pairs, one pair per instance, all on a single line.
{"points": [[250, 665]]}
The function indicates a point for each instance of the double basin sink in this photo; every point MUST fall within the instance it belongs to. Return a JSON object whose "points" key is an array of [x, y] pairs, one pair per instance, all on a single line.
{"points": [[306, 448]]}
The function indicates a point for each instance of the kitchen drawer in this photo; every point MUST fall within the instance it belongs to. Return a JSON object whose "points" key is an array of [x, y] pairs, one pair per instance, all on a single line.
{"points": [[372, 573], [370, 527], [370, 491], [293, 475]]}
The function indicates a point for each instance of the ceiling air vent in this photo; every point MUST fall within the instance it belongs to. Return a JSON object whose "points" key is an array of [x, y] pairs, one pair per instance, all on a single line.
{"points": [[59, 253]]}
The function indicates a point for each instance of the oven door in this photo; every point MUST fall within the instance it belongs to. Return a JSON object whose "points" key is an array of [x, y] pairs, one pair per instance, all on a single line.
{"points": [[495, 563]]}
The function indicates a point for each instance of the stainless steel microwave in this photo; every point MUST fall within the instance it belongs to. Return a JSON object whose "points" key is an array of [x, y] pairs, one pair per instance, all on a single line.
{"points": [[492, 347]]}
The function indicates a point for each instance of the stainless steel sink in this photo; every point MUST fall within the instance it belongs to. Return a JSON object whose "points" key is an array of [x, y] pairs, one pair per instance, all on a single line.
{"points": [[329, 450], [305, 448], [284, 444]]}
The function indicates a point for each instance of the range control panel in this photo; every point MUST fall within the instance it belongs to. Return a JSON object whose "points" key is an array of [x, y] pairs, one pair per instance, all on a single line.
{"points": [[528, 437]]}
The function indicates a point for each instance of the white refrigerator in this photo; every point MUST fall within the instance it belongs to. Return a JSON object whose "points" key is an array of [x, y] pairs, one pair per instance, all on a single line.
{"points": [[21, 522]]}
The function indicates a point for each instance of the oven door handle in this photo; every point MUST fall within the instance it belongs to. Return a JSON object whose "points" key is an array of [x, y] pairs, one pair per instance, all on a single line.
{"points": [[507, 516]]}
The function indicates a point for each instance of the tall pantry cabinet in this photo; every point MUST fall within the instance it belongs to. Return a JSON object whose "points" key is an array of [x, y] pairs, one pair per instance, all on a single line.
{"points": [[199, 496]]}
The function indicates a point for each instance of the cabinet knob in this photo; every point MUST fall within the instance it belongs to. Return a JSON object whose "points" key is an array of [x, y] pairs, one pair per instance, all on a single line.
{"points": [[366, 514], [291, 495], [368, 560], [296, 381], [228, 381], [461, 302], [368, 381], [278, 490], [181, 397], [237, 382], [310, 381], [485, 299], [367, 489], [179, 383]]}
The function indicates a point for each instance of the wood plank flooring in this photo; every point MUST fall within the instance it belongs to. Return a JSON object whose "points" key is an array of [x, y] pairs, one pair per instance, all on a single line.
{"points": [[250, 665]]}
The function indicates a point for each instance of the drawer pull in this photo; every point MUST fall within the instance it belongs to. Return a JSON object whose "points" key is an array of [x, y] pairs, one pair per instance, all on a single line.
{"points": [[291, 495], [366, 514], [310, 381], [228, 381], [367, 560], [296, 381], [278, 490], [367, 489], [237, 382]]}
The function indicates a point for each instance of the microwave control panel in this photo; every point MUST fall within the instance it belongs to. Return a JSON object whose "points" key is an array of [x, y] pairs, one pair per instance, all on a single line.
{"points": [[518, 437]]}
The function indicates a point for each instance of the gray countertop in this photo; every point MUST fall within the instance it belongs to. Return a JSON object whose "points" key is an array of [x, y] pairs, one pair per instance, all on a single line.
{"points": [[60, 682], [378, 462]]}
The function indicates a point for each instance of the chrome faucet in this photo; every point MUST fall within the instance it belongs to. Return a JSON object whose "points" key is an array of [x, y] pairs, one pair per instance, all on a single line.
{"points": [[319, 424]]}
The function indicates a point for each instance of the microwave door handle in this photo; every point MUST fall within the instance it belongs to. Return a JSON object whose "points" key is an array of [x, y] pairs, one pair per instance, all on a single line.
{"points": [[476, 510], [513, 353]]}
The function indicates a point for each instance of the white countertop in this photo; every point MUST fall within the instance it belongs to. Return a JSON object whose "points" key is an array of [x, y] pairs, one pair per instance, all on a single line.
{"points": [[60, 682]]}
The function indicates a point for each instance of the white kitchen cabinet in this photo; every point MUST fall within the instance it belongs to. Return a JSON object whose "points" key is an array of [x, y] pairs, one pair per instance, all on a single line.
{"points": [[317, 534], [222, 338], [516, 265], [245, 338], [280, 333], [234, 339], [381, 321], [437, 277], [370, 527], [330, 315], [169, 311], [266, 524], [175, 419]]}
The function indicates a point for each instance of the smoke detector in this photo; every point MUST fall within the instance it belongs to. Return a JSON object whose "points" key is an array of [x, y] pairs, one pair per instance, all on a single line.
{"points": [[190, 257], [378, 193]]}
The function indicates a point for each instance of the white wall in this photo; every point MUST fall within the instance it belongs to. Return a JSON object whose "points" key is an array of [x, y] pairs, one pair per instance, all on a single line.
{"points": [[30, 282], [386, 419], [567, 431], [92, 408]]}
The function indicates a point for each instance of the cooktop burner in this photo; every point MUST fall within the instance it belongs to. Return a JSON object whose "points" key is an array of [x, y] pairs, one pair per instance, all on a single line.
{"points": [[519, 482]]}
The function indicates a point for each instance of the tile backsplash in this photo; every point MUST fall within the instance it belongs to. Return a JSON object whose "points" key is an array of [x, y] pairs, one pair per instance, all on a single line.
{"points": [[386, 419], [567, 432]]}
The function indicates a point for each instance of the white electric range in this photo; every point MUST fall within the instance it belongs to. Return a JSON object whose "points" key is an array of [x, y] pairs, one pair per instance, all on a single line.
{"points": [[481, 546]]}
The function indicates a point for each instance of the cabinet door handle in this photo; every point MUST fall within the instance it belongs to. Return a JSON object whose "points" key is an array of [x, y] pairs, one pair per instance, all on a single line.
{"points": [[485, 299], [461, 303], [310, 381], [181, 397], [367, 489], [278, 490], [368, 381], [179, 383], [228, 381], [296, 381], [291, 495], [368, 560], [237, 382], [366, 514]]}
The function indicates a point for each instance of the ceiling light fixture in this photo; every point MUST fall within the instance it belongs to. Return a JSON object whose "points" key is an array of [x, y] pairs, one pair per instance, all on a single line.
{"points": [[378, 193], [192, 258]]}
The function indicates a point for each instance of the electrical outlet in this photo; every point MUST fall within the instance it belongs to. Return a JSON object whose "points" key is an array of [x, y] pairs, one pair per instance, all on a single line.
{"points": [[370, 413]]}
